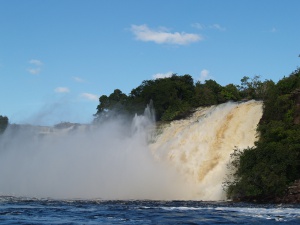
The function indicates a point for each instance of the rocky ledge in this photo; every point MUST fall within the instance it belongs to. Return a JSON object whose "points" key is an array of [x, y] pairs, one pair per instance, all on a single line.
{"points": [[292, 194]]}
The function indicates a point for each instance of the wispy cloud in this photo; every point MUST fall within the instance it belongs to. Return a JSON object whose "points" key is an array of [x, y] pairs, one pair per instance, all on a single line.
{"points": [[34, 71], [162, 36], [78, 79], [214, 26], [89, 96], [162, 75], [273, 30], [61, 90], [37, 63], [204, 75], [217, 27], [198, 26]]}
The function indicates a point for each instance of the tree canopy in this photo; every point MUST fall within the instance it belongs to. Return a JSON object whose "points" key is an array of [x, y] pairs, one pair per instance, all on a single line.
{"points": [[3, 123], [176, 96], [264, 172], [259, 173]]}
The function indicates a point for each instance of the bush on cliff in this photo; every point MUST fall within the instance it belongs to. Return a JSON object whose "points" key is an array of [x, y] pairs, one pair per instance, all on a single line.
{"points": [[175, 97], [264, 172]]}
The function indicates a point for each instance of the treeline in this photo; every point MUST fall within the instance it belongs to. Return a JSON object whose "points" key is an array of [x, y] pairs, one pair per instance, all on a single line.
{"points": [[176, 96], [261, 173], [264, 172], [3, 123]]}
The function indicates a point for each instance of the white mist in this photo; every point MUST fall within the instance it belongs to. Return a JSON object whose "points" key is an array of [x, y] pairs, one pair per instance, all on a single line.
{"points": [[112, 161], [200, 147], [187, 161]]}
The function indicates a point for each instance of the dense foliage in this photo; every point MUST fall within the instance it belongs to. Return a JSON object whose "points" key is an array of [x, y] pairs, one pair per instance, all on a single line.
{"points": [[3, 123], [264, 172], [176, 96], [259, 173]]}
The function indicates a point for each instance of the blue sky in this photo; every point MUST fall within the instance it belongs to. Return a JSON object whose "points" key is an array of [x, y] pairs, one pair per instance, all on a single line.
{"points": [[58, 56]]}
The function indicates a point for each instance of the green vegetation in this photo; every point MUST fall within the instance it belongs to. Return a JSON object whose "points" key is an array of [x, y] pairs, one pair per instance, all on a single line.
{"points": [[264, 172], [175, 97], [261, 173], [3, 123]]}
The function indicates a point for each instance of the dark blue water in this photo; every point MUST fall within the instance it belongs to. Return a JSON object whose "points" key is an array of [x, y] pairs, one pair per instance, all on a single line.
{"points": [[33, 211]]}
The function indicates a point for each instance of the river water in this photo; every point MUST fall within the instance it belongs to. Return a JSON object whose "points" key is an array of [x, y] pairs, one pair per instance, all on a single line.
{"points": [[36, 211], [185, 160]]}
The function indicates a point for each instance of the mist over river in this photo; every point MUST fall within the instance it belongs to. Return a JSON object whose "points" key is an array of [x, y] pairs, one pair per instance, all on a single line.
{"points": [[131, 172], [121, 160]]}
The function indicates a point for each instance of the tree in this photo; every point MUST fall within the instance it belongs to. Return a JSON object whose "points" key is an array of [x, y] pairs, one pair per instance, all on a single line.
{"points": [[171, 96], [174, 97], [264, 172], [249, 87], [230, 92], [209, 93], [3, 123], [116, 101]]}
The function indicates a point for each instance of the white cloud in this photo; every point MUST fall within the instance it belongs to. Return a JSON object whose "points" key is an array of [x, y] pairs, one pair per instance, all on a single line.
{"points": [[273, 30], [217, 27], [90, 97], [162, 75], [161, 36], [78, 79], [198, 26], [38, 64], [35, 62], [204, 75], [34, 71], [62, 90]]}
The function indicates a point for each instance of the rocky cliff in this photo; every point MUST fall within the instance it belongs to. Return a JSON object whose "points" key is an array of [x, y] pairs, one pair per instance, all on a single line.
{"points": [[292, 194]]}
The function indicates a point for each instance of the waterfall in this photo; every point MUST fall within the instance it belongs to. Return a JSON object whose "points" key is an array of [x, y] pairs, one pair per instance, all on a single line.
{"points": [[120, 159], [199, 147]]}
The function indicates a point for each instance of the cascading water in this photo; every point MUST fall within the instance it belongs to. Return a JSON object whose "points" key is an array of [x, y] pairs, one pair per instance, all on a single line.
{"points": [[199, 147], [119, 160]]}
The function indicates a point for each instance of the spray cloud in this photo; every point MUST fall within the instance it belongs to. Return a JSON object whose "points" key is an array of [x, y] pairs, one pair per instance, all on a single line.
{"points": [[122, 159], [110, 161]]}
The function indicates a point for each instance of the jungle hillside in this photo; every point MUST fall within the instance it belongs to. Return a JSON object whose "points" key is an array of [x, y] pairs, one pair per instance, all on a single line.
{"points": [[261, 173]]}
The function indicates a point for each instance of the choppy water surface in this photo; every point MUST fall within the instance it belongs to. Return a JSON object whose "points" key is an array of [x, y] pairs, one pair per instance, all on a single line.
{"points": [[33, 211]]}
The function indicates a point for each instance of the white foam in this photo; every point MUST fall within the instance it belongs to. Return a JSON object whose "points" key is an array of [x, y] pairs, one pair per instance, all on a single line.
{"points": [[199, 147]]}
